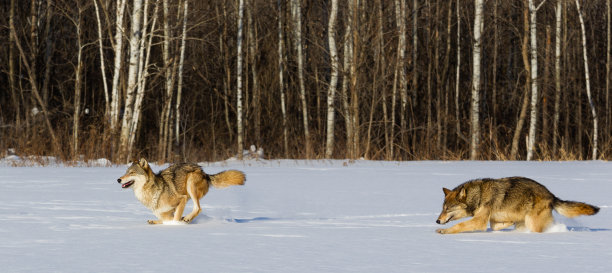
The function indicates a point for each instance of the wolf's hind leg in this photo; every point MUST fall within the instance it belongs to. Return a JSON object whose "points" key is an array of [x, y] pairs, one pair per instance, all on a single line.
{"points": [[539, 220], [500, 225], [196, 191], [178, 213]]}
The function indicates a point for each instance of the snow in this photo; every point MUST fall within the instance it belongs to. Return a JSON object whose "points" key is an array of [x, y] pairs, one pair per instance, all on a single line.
{"points": [[296, 216]]}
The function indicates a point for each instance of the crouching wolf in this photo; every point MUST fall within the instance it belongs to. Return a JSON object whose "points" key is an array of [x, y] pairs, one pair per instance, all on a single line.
{"points": [[504, 202], [167, 192]]}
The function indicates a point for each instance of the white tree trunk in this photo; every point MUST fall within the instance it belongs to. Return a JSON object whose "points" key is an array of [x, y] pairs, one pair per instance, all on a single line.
{"points": [[77, 88], [458, 75], [608, 57], [252, 38], [143, 72], [132, 82], [239, 80], [281, 82], [333, 53], [102, 66], [179, 88], [296, 10], [400, 18], [478, 22], [558, 12], [346, 64], [587, 81], [534, 78], [119, 32]]}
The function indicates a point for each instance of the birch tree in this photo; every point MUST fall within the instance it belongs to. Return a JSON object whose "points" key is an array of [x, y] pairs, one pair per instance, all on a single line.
{"points": [[169, 72], [143, 70], [12, 71], [102, 65], [524, 105], [400, 15], [346, 65], [179, 88], [281, 82], [132, 81], [118, 60], [475, 111], [555, 138], [458, 74], [296, 11], [77, 83], [587, 80], [239, 122], [534, 76], [331, 93], [252, 38]]}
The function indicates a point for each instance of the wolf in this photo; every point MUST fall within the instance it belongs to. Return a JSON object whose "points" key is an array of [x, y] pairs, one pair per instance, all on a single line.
{"points": [[504, 202], [167, 192]]}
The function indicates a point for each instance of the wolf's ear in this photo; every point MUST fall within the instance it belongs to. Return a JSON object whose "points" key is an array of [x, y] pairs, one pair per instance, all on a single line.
{"points": [[143, 163], [462, 194], [446, 191]]}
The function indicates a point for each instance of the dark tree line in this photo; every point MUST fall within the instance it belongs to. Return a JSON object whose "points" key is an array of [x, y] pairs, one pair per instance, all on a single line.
{"points": [[391, 80]]}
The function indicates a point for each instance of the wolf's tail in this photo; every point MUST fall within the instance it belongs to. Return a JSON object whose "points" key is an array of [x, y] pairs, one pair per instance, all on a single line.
{"points": [[572, 208], [227, 178]]}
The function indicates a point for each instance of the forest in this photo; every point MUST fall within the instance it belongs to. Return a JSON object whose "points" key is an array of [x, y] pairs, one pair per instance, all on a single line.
{"points": [[185, 80]]}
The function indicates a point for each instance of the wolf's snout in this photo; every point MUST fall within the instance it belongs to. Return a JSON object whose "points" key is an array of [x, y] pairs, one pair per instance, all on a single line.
{"points": [[438, 221], [119, 180]]}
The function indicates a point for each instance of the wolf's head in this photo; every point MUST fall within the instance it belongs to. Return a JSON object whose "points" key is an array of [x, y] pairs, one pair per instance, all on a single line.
{"points": [[138, 173], [454, 206]]}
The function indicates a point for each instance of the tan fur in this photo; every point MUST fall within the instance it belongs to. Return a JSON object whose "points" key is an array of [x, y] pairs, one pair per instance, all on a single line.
{"points": [[227, 178], [504, 202], [167, 192]]}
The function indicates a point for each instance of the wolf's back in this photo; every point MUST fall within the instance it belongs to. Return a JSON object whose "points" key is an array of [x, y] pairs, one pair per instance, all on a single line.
{"points": [[227, 178], [572, 208]]}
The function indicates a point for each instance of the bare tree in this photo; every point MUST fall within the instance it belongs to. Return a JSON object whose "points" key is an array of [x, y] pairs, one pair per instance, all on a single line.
{"points": [[179, 88], [296, 12], [118, 60], [555, 138], [523, 113], [29, 65], [458, 74], [78, 82], [331, 93], [102, 66], [132, 81], [12, 71], [475, 110], [534, 76], [400, 15], [143, 71], [239, 122], [608, 49], [252, 42], [281, 82], [587, 80]]}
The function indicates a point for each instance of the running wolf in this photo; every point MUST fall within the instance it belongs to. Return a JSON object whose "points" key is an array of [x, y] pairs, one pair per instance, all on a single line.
{"points": [[504, 202], [167, 192]]}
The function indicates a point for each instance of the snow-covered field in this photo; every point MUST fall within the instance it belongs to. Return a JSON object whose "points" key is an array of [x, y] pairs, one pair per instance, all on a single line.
{"points": [[296, 216]]}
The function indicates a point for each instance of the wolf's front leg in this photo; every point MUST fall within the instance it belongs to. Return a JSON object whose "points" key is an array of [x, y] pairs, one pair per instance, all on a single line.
{"points": [[478, 222], [469, 225], [161, 217]]}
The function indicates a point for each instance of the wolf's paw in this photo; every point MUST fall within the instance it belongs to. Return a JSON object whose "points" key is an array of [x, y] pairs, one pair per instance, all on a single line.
{"points": [[186, 219], [441, 231], [152, 222]]}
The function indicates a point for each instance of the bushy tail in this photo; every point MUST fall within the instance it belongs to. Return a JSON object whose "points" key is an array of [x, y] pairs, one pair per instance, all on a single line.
{"points": [[227, 178], [572, 209]]}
